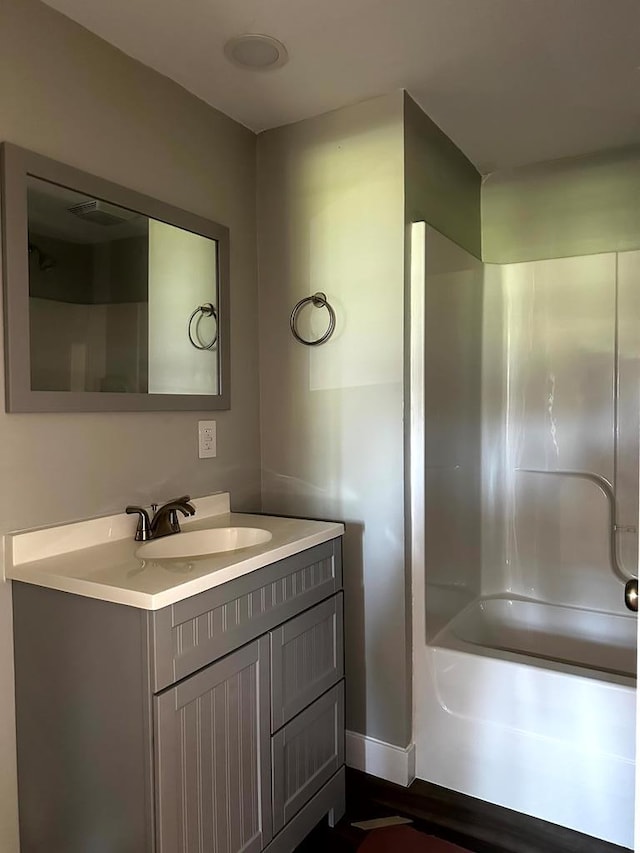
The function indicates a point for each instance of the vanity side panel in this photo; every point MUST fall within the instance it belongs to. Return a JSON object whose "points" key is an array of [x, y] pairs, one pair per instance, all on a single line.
{"points": [[83, 710]]}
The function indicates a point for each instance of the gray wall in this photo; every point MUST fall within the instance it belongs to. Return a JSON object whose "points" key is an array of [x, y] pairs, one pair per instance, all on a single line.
{"points": [[333, 194], [574, 206], [330, 218], [66, 94]]}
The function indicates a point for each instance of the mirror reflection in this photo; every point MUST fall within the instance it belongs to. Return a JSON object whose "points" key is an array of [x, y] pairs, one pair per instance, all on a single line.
{"points": [[118, 302]]}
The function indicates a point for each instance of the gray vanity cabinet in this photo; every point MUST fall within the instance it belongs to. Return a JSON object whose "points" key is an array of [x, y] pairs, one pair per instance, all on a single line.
{"points": [[212, 747], [214, 725], [306, 659], [307, 752]]}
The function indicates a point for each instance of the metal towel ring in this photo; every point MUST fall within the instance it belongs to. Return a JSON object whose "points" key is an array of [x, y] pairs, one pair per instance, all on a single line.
{"points": [[206, 310], [319, 300]]}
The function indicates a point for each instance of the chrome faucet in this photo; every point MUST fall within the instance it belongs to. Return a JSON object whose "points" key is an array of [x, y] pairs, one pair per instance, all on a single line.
{"points": [[164, 521]]}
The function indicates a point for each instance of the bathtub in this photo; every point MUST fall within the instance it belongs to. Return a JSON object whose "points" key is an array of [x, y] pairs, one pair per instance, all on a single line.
{"points": [[596, 642], [532, 706]]}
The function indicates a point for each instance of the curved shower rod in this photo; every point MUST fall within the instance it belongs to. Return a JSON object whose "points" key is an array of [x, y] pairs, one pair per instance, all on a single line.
{"points": [[607, 489]]}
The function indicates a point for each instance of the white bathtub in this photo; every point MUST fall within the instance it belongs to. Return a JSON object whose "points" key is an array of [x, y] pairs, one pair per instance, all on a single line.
{"points": [[532, 706], [601, 642]]}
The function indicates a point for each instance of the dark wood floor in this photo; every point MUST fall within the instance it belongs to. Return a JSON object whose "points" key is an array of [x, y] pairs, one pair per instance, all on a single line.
{"points": [[478, 826]]}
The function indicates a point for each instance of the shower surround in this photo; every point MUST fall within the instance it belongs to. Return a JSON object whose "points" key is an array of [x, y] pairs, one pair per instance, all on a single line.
{"points": [[525, 522]]}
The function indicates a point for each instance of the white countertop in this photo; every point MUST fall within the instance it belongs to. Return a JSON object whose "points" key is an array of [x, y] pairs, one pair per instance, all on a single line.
{"points": [[97, 558]]}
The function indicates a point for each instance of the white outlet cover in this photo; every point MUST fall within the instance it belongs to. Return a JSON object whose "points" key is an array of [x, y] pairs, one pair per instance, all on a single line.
{"points": [[206, 439]]}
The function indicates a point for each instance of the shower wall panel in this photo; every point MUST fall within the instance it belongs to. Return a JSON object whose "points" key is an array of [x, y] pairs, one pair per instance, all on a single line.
{"points": [[71, 353], [550, 370], [453, 356], [628, 409]]}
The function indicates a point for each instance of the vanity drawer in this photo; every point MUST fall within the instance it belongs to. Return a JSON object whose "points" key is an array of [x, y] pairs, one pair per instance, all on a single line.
{"points": [[190, 634], [306, 659], [306, 753]]}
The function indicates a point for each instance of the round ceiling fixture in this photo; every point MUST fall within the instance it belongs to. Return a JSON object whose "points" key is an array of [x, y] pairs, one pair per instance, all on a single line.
{"points": [[256, 52]]}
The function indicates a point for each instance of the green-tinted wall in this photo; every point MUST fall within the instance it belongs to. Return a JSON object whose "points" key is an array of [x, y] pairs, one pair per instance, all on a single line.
{"points": [[442, 187], [575, 206]]}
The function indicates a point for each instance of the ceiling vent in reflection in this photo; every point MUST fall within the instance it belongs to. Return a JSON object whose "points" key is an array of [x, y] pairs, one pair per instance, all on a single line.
{"points": [[101, 212]]}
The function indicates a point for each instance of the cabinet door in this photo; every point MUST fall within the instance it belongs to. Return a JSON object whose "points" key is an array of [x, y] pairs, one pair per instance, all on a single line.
{"points": [[212, 757], [306, 659]]}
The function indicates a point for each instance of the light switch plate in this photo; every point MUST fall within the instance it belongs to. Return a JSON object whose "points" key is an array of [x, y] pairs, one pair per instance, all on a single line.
{"points": [[206, 439]]}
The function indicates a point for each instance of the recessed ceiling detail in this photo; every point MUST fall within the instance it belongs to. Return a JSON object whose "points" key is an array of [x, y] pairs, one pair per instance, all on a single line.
{"points": [[510, 81], [256, 52]]}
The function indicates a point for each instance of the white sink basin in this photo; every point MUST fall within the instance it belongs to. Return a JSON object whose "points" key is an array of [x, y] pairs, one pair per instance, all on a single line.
{"points": [[200, 543]]}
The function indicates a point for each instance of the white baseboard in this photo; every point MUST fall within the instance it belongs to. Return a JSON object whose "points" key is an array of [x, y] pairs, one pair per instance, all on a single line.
{"points": [[381, 759]]}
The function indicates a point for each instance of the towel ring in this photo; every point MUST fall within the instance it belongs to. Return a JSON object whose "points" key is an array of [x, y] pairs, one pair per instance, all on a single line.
{"points": [[206, 310], [319, 300]]}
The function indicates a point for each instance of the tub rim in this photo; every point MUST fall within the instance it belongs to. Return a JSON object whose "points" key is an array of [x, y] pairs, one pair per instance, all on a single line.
{"points": [[447, 639]]}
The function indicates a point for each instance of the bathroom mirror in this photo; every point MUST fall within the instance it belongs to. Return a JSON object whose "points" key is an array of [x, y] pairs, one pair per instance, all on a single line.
{"points": [[114, 301]]}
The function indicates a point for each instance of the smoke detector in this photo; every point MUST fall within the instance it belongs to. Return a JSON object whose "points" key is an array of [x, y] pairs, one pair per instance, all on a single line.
{"points": [[101, 212], [256, 52]]}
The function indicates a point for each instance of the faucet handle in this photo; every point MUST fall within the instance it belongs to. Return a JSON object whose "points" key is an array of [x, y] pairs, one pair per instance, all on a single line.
{"points": [[183, 499], [143, 531], [182, 504]]}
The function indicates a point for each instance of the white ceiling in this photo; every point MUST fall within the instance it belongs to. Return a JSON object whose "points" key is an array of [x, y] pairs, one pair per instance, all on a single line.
{"points": [[510, 81]]}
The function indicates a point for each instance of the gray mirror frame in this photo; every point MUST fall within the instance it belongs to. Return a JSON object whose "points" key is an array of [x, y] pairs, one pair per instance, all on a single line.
{"points": [[18, 163]]}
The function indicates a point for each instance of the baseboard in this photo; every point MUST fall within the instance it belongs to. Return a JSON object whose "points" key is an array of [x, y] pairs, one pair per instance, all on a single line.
{"points": [[381, 759]]}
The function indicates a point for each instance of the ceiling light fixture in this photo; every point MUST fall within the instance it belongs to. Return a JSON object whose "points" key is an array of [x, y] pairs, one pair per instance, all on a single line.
{"points": [[256, 52]]}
